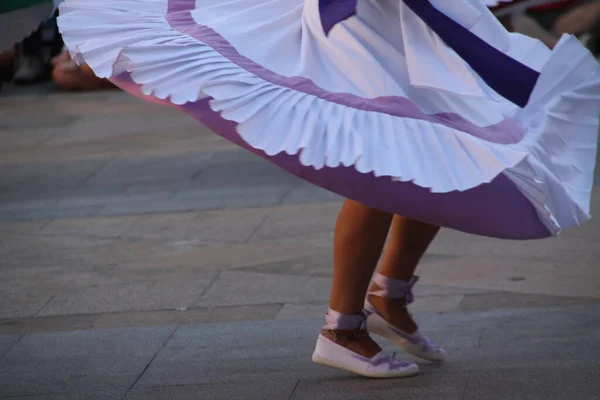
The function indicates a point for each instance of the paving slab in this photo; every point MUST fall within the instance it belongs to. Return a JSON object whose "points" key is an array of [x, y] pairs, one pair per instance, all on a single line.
{"points": [[289, 222], [47, 324], [310, 194], [316, 263], [486, 301], [238, 352], [126, 125], [46, 177], [531, 318], [10, 215], [210, 256], [233, 227], [257, 171], [258, 389], [515, 275], [422, 304], [132, 319], [79, 361], [254, 288], [575, 248], [115, 214], [210, 197], [30, 194], [17, 304], [12, 138], [540, 383], [103, 395], [167, 168], [89, 227], [520, 348], [425, 387], [173, 293]]}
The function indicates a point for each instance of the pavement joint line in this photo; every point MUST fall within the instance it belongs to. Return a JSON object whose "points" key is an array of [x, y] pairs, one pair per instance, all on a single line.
{"points": [[466, 387], [219, 209], [480, 339], [207, 288], [44, 306], [88, 321], [287, 194], [198, 173], [44, 141], [63, 235], [45, 224], [13, 345], [256, 229], [294, 389], [35, 395], [12, 320], [150, 362], [27, 322], [102, 165]]}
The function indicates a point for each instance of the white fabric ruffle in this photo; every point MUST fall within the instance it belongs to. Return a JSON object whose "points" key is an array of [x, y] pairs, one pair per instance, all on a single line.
{"points": [[552, 165]]}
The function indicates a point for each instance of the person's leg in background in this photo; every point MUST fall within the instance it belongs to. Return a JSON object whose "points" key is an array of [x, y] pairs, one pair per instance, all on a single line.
{"points": [[522, 23]]}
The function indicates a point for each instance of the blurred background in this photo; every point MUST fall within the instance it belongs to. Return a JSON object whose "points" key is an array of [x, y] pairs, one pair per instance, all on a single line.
{"points": [[143, 257]]}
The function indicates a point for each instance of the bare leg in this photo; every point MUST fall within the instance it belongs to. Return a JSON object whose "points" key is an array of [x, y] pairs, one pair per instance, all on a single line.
{"points": [[579, 19], [409, 240], [528, 26], [360, 235]]}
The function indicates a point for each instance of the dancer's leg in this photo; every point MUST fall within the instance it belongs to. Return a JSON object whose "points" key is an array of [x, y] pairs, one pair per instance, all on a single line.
{"points": [[344, 342], [409, 239], [360, 235], [391, 290]]}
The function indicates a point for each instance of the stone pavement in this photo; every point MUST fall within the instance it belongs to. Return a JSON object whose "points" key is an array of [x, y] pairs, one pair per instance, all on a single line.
{"points": [[142, 257]]}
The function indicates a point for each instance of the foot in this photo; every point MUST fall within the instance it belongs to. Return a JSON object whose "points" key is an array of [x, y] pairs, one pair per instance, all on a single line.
{"points": [[353, 350], [389, 317]]}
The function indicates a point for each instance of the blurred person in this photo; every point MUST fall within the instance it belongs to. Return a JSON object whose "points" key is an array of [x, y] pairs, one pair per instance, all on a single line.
{"points": [[583, 16], [548, 20], [576, 17], [35, 52], [68, 75], [18, 20], [513, 15], [7, 61], [524, 24], [445, 129]]}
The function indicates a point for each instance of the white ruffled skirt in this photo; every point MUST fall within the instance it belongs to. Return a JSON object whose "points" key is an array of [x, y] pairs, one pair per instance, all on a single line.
{"points": [[428, 109]]}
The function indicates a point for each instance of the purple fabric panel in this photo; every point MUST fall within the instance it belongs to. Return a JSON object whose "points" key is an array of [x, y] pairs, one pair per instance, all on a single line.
{"points": [[505, 132], [335, 11], [497, 209]]}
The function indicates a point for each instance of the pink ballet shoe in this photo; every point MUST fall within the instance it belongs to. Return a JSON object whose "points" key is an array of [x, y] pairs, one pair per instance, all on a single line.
{"points": [[412, 343], [328, 352]]}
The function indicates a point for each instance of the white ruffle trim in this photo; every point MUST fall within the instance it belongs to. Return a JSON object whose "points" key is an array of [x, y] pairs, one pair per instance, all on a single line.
{"points": [[114, 36]]}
